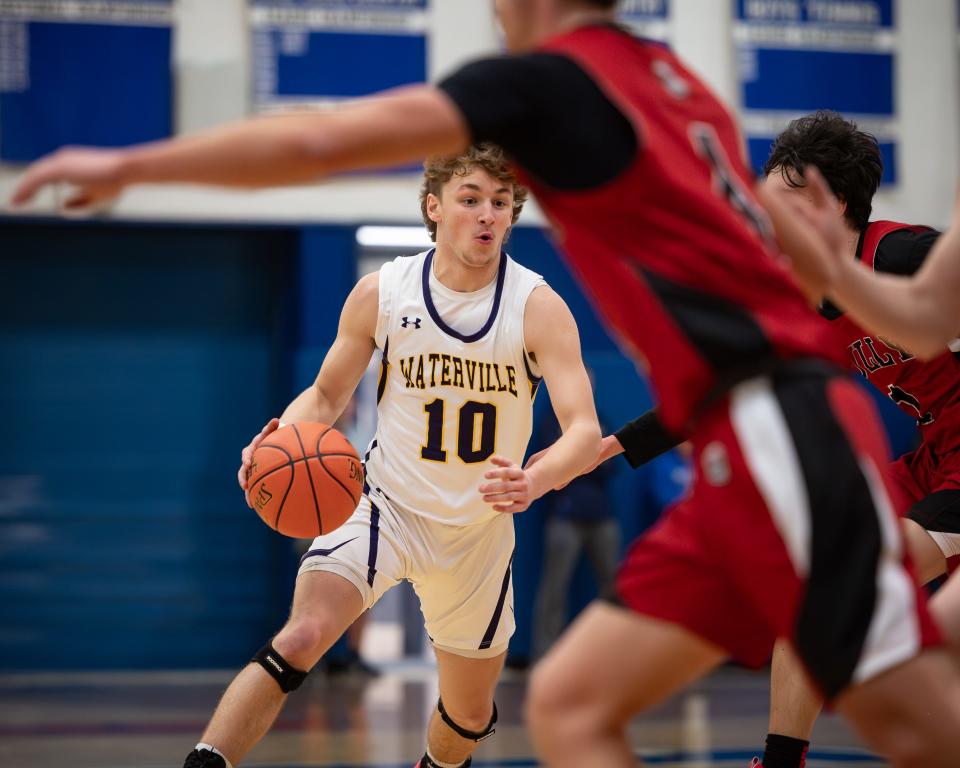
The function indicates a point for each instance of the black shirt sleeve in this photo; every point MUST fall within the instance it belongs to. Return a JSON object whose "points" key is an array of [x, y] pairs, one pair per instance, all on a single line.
{"points": [[548, 115], [902, 252], [645, 438]]}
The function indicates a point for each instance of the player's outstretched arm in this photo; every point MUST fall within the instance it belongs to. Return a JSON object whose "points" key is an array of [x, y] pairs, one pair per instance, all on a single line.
{"points": [[644, 438], [551, 336], [919, 313], [397, 126], [342, 368], [640, 440], [609, 447]]}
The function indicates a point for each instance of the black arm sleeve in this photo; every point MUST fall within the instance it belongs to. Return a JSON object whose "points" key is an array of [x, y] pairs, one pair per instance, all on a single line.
{"points": [[645, 438], [902, 252], [548, 115]]}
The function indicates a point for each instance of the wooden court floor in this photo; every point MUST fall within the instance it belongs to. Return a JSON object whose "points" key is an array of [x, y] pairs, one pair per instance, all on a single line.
{"points": [[153, 719]]}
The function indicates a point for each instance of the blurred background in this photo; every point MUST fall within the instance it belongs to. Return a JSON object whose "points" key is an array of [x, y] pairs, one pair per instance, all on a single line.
{"points": [[141, 349]]}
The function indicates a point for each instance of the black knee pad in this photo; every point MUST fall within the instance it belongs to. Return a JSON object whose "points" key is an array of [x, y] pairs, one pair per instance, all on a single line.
{"points": [[288, 678], [461, 731]]}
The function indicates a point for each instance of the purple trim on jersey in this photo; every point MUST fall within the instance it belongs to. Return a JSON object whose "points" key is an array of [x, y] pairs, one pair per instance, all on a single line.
{"points": [[363, 463], [498, 611], [374, 540], [384, 365], [435, 316], [534, 379]]}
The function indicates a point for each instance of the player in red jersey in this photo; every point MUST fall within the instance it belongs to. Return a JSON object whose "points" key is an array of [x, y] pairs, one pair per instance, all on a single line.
{"points": [[927, 480], [921, 312], [639, 168]]}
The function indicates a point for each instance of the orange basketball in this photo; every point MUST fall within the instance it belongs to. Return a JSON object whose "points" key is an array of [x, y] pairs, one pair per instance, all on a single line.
{"points": [[305, 480]]}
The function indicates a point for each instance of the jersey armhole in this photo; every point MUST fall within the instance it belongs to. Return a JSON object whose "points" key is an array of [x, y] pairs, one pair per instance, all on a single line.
{"points": [[534, 374], [913, 230]]}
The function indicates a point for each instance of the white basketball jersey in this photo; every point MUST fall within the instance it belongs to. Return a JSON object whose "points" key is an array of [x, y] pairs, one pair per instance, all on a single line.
{"points": [[456, 386]]}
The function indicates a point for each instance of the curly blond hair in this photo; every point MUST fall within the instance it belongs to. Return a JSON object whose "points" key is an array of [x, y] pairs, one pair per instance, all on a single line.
{"points": [[437, 171]]}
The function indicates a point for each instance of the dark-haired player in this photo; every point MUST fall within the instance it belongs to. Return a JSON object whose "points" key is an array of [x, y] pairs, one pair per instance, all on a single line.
{"points": [[640, 170], [926, 480]]}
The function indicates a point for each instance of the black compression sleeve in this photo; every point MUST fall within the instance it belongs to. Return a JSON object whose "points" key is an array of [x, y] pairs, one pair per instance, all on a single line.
{"points": [[645, 438], [548, 115]]}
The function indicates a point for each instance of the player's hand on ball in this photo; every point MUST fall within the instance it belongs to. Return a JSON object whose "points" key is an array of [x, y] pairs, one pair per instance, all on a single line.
{"points": [[95, 177], [246, 455], [509, 487]]}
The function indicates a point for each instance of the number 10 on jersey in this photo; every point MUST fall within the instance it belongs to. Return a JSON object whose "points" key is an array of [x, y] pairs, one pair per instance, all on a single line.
{"points": [[475, 442]]}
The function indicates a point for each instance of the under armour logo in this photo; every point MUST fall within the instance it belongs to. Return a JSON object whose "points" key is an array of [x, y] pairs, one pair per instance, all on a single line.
{"points": [[415, 322]]}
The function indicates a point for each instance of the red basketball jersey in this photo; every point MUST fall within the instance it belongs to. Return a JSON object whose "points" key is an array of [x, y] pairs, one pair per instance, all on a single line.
{"points": [[675, 251], [928, 391]]}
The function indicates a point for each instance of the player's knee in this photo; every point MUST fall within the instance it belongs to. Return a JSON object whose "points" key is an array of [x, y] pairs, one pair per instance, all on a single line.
{"points": [[304, 640], [907, 749], [553, 703], [471, 716]]}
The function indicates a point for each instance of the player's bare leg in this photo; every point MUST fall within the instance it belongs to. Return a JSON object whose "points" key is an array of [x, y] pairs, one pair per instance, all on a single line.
{"points": [[794, 706], [794, 702], [911, 713], [945, 609], [466, 690], [324, 605], [928, 560], [577, 710]]}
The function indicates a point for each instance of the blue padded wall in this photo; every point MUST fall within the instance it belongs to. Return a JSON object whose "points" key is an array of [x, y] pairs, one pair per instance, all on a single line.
{"points": [[137, 362]]}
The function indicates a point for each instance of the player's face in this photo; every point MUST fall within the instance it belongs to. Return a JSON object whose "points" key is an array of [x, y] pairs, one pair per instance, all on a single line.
{"points": [[797, 195], [473, 215]]}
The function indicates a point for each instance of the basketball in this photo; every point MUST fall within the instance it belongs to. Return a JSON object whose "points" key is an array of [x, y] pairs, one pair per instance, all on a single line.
{"points": [[305, 480]]}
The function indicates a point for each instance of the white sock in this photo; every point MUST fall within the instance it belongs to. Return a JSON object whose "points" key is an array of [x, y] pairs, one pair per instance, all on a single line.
{"points": [[440, 763], [211, 748]]}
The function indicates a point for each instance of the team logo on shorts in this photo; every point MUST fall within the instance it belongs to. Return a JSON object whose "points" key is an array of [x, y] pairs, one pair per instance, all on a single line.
{"points": [[715, 464]]}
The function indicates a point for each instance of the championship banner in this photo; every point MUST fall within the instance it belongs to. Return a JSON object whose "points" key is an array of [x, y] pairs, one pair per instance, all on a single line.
{"points": [[797, 56], [83, 72], [647, 18], [315, 53]]}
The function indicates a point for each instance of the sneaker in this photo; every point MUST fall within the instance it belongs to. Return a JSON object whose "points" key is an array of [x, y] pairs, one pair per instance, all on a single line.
{"points": [[361, 666], [350, 664], [204, 758], [755, 763]]}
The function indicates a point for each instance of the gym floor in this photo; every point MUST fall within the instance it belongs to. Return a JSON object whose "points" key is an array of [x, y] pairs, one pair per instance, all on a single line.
{"points": [[148, 720]]}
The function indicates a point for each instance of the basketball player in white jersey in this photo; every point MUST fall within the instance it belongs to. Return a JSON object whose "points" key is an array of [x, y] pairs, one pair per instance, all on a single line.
{"points": [[465, 335]]}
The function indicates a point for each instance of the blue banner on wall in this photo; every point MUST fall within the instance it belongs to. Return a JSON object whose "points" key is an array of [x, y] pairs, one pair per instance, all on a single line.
{"points": [[317, 52], [648, 18], [83, 72], [797, 56]]}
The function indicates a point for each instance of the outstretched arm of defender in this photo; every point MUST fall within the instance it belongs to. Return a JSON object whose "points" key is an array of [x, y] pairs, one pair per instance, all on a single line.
{"points": [[342, 369], [394, 127], [552, 337], [640, 440]]}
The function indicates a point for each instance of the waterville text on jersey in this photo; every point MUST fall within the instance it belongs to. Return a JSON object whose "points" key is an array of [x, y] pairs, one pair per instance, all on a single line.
{"points": [[433, 369]]}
